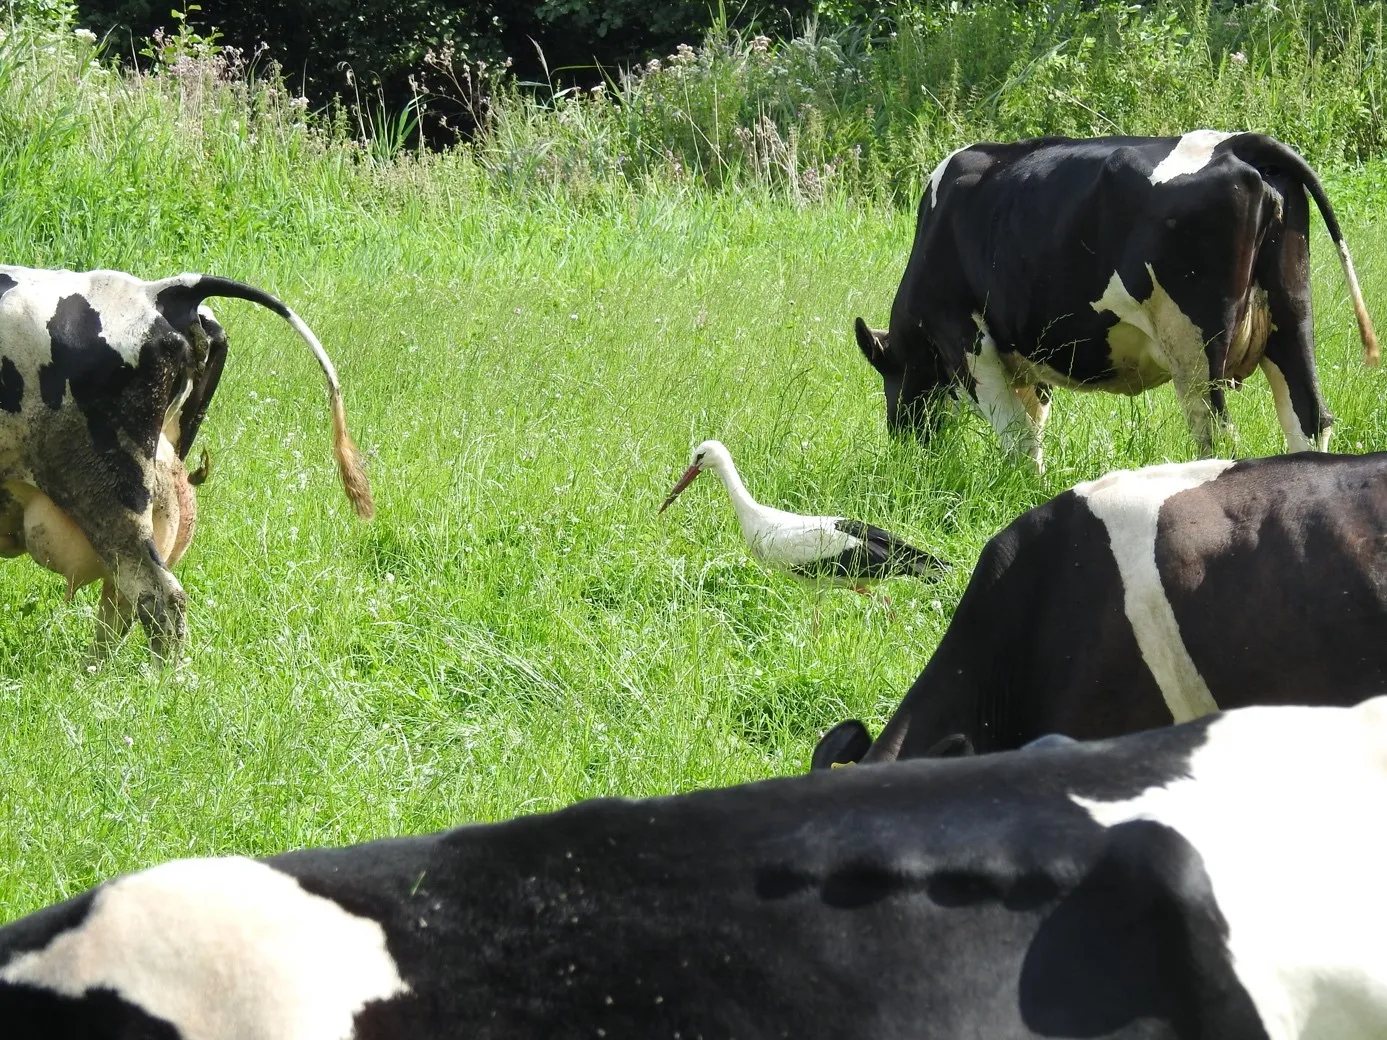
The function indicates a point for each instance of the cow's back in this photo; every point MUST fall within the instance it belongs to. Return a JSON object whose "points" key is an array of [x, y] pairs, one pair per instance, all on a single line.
{"points": [[926, 900], [1276, 573]]}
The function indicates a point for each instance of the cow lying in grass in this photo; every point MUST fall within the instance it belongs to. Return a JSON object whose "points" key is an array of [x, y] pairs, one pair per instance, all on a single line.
{"points": [[104, 381], [1216, 879], [1157, 594]]}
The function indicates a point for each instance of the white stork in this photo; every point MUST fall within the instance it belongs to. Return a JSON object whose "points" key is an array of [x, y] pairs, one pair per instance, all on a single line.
{"points": [[821, 550]]}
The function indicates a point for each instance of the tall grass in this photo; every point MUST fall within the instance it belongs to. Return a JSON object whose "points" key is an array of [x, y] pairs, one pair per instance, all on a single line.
{"points": [[531, 332], [875, 109], [200, 143]]}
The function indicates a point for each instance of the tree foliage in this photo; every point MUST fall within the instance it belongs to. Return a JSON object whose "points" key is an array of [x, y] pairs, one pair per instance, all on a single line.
{"points": [[379, 47]]}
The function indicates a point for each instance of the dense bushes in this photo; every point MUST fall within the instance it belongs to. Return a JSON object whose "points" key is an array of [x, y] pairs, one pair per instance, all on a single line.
{"points": [[872, 93], [328, 47], [876, 110], [869, 108]]}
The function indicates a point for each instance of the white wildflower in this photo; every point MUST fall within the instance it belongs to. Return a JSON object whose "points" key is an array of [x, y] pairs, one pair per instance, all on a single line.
{"points": [[85, 35]]}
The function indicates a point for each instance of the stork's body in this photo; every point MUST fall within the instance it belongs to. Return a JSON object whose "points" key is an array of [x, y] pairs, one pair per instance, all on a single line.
{"points": [[821, 550]]}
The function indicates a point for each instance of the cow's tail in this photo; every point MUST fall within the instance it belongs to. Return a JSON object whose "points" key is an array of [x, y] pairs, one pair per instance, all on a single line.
{"points": [[1262, 151], [178, 299]]}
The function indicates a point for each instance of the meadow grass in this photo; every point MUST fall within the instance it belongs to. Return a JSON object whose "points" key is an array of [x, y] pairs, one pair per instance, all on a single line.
{"points": [[517, 629], [526, 372]]}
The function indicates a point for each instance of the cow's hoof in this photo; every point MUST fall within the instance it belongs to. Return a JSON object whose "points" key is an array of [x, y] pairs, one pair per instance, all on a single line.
{"points": [[162, 653], [164, 646], [164, 621]]}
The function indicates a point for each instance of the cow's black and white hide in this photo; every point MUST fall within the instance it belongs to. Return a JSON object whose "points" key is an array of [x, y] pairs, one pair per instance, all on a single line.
{"points": [[1113, 264], [1217, 879], [104, 380], [1154, 595]]}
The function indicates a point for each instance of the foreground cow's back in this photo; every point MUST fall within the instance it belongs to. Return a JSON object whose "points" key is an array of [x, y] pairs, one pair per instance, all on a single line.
{"points": [[1160, 594], [1219, 879]]}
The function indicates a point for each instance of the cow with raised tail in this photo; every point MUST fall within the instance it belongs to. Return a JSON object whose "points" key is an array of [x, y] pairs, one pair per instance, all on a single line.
{"points": [[1221, 879], [1115, 263], [104, 381]]}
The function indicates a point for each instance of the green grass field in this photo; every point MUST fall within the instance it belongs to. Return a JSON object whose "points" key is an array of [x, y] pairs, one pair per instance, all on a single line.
{"points": [[526, 369], [517, 629]]}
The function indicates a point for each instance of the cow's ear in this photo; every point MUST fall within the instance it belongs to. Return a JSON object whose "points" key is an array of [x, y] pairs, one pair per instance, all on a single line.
{"points": [[873, 344], [955, 745], [844, 744]]}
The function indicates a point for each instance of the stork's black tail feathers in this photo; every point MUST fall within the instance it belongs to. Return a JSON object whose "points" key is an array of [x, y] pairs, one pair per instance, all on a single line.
{"points": [[916, 562], [887, 556]]}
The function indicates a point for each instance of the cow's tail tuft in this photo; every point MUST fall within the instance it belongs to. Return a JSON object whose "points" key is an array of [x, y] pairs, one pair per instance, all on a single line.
{"points": [[1260, 150], [178, 298], [1371, 354], [354, 480]]}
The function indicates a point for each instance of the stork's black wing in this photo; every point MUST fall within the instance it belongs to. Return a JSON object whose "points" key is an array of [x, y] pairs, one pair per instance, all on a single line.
{"points": [[878, 554]]}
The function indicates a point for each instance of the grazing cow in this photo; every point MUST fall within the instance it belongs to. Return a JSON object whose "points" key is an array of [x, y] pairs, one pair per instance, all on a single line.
{"points": [[1157, 594], [1218, 879], [104, 380], [1117, 264]]}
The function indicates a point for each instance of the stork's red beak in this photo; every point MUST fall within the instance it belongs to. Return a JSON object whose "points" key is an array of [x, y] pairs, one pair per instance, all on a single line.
{"points": [[684, 482]]}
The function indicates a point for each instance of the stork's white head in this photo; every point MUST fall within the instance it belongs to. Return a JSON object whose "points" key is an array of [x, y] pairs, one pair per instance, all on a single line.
{"points": [[708, 455]]}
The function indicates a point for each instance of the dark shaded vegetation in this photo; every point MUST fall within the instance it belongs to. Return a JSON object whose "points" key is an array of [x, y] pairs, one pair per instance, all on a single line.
{"points": [[815, 96], [391, 53]]}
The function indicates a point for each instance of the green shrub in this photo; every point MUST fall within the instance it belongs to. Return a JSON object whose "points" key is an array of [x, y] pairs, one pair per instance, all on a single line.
{"points": [[379, 47], [875, 108], [867, 108]]}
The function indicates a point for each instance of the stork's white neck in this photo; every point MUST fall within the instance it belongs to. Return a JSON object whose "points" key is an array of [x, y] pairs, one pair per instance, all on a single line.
{"points": [[748, 509]]}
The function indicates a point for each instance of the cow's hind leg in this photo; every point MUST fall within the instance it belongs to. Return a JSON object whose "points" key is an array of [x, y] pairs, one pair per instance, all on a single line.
{"points": [[159, 601], [111, 501], [1299, 407], [1035, 399], [140, 586], [1016, 415], [113, 617], [1217, 351], [1189, 359], [1282, 269]]}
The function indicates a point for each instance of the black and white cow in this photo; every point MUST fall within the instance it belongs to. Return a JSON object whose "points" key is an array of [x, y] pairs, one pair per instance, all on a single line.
{"points": [[1157, 594], [104, 380], [1113, 264], [1217, 879]]}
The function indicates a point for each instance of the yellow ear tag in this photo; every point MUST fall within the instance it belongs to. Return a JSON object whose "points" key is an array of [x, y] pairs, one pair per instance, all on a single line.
{"points": [[841, 765]]}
